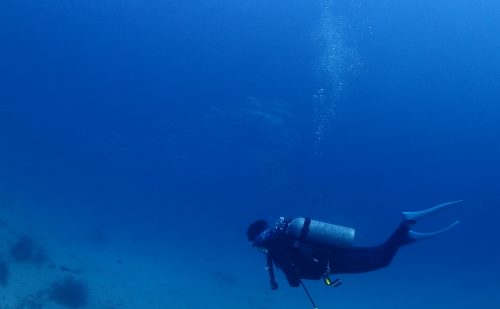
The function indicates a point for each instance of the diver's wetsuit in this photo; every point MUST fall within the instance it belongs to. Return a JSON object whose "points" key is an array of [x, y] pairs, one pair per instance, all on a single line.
{"points": [[306, 261], [364, 259]]}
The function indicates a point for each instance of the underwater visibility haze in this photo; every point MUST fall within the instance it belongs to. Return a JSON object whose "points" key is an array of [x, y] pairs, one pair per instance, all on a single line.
{"points": [[139, 139]]}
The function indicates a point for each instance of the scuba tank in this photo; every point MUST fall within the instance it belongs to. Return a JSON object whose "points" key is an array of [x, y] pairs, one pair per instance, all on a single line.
{"points": [[320, 233]]}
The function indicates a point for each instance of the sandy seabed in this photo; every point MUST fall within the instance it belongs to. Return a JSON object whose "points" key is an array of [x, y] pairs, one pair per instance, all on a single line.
{"points": [[131, 276]]}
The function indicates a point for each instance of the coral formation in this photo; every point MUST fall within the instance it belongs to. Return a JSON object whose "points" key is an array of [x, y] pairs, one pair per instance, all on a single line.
{"points": [[69, 292], [24, 250]]}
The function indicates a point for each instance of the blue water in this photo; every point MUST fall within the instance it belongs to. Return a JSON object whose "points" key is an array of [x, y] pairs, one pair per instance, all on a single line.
{"points": [[169, 126]]}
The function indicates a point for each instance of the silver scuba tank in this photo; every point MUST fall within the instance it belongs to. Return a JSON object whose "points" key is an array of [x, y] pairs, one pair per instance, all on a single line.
{"points": [[320, 233]]}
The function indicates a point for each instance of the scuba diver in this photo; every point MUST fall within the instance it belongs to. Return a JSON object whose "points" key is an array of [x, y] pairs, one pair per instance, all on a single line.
{"points": [[308, 249]]}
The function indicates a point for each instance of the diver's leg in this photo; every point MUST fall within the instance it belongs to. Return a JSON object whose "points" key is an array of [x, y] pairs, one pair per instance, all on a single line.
{"points": [[364, 259]]}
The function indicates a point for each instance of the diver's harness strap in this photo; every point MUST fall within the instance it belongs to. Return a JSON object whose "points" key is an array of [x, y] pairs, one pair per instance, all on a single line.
{"points": [[305, 229]]}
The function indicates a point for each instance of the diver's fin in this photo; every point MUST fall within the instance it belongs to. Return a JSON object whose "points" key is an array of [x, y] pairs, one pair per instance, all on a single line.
{"points": [[415, 215], [419, 236]]}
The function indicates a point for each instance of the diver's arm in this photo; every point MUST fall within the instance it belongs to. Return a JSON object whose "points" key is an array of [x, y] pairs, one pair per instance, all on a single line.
{"points": [[270, 270]]}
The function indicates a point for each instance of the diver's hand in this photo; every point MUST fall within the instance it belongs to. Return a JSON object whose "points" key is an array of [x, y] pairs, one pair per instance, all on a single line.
{"points": [[274, 285]]}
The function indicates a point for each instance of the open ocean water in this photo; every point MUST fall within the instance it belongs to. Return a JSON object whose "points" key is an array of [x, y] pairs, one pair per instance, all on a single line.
{"points": [[138, 139]]}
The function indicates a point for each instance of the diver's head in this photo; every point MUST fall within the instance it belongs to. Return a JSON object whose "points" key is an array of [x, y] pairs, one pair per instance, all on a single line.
{"points": [[259, 234], [255, 229]]}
